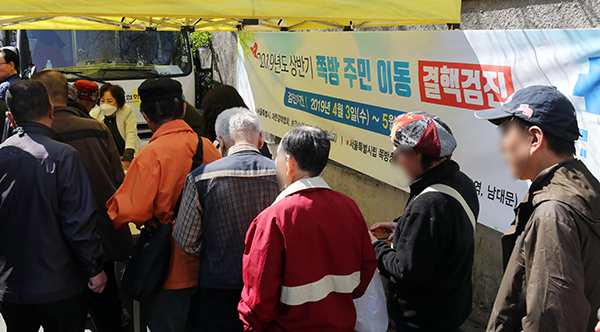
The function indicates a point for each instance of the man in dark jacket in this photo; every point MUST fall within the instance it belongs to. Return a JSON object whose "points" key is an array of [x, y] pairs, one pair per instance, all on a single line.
{"points": [[3, 110], [49, 249], [9, 66], [101, 160], [430, 265], [551, 251]]}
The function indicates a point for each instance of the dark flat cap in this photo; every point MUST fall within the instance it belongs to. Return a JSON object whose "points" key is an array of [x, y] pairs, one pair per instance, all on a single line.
{"points": [[157, 89]]}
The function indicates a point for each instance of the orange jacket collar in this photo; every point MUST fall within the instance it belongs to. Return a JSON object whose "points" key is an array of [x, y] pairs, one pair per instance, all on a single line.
{"points": [[171, 127]]}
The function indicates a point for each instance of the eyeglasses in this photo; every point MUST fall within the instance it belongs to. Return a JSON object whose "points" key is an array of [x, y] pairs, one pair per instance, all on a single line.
{"points": [[3, 63]]}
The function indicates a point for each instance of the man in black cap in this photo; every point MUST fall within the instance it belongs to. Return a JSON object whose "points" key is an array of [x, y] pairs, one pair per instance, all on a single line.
{"points": [[152, 187], [551, 251]]}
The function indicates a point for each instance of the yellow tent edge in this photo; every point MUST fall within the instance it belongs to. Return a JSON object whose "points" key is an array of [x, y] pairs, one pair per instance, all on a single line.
{"points": [[244, 14], [61, 24]]}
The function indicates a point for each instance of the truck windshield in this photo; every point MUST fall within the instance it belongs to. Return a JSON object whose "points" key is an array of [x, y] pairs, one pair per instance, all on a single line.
{"points": [[107, 55]]}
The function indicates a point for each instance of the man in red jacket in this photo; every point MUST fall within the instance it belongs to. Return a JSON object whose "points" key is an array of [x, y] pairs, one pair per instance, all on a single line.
{"points": [[301, 273]]}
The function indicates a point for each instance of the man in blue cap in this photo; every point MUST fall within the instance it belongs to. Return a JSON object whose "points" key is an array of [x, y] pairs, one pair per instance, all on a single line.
{"points": [[551, 259]]}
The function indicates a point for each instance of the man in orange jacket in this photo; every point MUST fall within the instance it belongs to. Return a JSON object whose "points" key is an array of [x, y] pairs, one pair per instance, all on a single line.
{"points": [[152, 187]]}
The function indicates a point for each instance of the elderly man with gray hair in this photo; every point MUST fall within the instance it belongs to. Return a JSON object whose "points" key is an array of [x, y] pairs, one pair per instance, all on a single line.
{"points": [[219, 202]]}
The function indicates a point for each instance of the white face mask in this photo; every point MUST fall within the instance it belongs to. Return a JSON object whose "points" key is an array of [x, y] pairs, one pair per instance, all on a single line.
{"points": [[107, 109]]}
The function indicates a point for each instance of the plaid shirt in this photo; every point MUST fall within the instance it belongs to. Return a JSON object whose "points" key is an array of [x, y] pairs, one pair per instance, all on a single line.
{"points": [[219, 202]]}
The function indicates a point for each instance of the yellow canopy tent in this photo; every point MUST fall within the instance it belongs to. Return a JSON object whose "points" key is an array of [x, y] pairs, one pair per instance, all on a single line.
{"points": [[219, 15]]}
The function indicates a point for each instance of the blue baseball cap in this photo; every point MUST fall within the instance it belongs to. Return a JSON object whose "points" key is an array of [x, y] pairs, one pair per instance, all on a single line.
{"points": [[542, 106]]}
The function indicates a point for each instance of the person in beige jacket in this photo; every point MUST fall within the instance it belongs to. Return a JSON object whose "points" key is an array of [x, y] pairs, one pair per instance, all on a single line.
{"points": [[119, 118]]}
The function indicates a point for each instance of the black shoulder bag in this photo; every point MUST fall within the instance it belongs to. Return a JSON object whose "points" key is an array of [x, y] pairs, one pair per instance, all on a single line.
{"points": [[148, 264]]}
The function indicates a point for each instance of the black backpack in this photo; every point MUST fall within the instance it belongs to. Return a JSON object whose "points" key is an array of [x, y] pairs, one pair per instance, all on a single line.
{"points": [[148, 265]]}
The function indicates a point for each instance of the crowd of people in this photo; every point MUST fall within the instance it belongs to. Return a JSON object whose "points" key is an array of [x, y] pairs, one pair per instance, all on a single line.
{"points": [[266, 245]]}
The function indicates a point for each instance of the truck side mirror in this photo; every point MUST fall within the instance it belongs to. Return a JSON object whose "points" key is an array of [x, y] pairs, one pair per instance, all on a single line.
{"points": [[203, 58]]}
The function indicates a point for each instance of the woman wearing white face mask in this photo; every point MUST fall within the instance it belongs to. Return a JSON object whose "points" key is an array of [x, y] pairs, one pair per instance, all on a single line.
{"points": [[119, 119]]}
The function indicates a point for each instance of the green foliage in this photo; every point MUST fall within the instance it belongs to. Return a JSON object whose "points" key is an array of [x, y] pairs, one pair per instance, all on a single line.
{"points": [[201, 39], [246, 40]]}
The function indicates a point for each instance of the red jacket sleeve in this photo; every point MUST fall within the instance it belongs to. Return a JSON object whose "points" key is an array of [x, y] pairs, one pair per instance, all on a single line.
{"points": [[262, 273]]}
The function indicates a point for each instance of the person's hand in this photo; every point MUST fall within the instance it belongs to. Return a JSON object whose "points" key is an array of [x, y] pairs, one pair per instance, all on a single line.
{"points": [[125, 164], [598, 327], [373, 238], [97, 283], [383, 230]]}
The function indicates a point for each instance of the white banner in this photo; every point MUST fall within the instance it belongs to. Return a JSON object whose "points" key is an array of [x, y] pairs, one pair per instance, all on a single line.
{"points": [[356, 83]]}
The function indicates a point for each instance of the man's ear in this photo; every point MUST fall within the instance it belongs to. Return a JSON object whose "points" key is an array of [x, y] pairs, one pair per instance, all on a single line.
{"points": [[13, 123], [291, 165], [537, 138], [51, 114], [184, 107], [222, 147], [261, 140]]}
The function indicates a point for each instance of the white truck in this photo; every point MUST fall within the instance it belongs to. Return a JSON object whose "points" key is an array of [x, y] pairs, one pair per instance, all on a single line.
{"points": [[124, 57]]}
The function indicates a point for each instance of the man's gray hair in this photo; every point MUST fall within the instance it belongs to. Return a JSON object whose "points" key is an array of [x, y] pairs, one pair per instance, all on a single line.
{"points": [[237, 124]]}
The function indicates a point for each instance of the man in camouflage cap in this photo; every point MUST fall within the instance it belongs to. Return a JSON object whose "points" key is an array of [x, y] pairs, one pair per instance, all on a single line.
{"points": [[429, 266]]}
